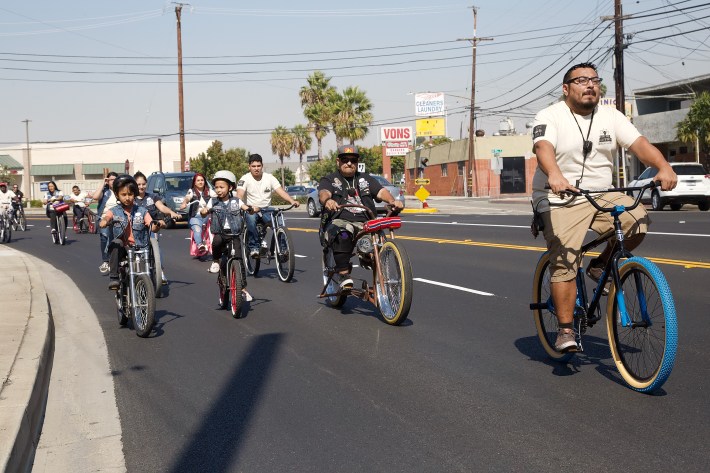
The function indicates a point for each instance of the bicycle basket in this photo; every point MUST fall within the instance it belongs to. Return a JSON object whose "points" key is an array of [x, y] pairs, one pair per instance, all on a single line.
{"points": [[60, 207], [383, 223], [219, 221]]}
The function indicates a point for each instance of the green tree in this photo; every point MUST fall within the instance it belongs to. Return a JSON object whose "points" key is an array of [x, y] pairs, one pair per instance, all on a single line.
{"points": [[314, 101], [696, 125], [281, 145], [353, 114], [301, 144], [5, 176], [322, 168], [215, 158], [397, 165]]}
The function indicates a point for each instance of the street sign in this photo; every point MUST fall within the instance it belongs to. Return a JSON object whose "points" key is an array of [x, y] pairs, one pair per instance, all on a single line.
{"points": [[360, 167], [496, 151], [422, 194], [422, 182]]}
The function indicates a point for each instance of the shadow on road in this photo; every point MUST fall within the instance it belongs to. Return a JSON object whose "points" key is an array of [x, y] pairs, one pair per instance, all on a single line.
{"points": [[215, 445]]}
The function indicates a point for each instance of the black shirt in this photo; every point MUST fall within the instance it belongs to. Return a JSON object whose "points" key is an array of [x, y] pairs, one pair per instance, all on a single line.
{"points": [[362, 189]]}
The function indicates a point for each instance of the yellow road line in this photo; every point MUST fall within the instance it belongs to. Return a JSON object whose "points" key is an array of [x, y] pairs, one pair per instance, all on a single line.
{"points": [[673, 262]]}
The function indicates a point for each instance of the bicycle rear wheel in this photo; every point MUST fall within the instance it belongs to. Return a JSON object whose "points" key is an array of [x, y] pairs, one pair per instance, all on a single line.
{"points": [[156, 268], [21, 221], [644, 352], [234, 274], [544, 310], [91, 220], [285, 258], [122, 305], [394, 292], [143, 305], [75, 224]]}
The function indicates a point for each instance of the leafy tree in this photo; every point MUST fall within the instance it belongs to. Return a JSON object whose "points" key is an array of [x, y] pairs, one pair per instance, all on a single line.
{"points": [[397, 165], [321, 168], [215, 158], [696, 125], [353, 114], [5, 176], [372, 157], [315, 104], [289, 176], [281, 145], [301, 143]]}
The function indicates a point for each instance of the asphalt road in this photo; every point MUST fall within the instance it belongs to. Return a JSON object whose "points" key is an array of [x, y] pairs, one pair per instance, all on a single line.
{"points": [[462, 386]]}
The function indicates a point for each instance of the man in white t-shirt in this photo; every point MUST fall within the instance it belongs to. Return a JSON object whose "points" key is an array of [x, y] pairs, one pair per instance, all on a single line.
{"points": [[255, 189], [78, 198], [6, 197], [575, 142]]}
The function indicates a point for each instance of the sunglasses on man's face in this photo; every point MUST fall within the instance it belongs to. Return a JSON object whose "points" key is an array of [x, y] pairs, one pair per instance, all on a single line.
{"points": [[348, 160]]}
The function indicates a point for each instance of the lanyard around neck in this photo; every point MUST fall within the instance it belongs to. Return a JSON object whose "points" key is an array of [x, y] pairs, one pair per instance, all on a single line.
{"points": [[586, 144]]}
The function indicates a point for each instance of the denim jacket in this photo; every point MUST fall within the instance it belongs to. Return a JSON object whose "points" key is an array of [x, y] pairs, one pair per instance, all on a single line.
{"points": [[226, 212], [138, 225]]}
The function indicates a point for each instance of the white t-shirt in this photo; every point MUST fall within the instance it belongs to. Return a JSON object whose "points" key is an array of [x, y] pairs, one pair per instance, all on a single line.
{"points": [[556, 124], [202, 201], [258, 193], [6, 197], [111, 202], [79, 199]]}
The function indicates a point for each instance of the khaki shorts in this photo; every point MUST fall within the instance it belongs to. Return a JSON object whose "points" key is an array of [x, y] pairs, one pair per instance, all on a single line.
{"points": [[566, 227]]}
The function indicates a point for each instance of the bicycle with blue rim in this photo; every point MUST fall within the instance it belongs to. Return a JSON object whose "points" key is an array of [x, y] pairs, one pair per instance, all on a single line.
{"points": [[277, 246], [640, 312]]}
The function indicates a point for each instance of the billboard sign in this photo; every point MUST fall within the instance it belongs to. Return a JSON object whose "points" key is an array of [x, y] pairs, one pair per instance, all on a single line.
{"points": [[396, 148], [429, 104], [396, 133], [431, 127]]}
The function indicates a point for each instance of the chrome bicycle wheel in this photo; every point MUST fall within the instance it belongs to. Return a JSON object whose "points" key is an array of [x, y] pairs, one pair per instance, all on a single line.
{"points": [[394, 290], [143, 306], [284, 255]]}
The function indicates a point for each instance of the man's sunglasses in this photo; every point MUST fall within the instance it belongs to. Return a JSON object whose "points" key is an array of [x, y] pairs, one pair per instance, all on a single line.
{"points": [[350, 159]]}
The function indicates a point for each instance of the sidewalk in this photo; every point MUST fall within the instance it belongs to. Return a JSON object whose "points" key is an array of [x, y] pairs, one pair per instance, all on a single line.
{"points": [[58, 408]]}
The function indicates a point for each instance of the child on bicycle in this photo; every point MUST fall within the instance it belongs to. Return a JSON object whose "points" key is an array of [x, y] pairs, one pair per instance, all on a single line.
{"points": [[53, 195], [224, 183], [130, 224]]}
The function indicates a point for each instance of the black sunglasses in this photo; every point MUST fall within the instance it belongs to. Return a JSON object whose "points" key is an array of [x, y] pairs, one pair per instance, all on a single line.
{"points": [[349, 159]]}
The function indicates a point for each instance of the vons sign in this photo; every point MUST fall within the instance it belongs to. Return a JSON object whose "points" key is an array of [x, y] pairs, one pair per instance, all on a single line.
{"points": [[396, 133]]}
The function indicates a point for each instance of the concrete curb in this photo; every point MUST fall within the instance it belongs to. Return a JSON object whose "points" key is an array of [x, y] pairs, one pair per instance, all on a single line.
{"points": [[24, 393]]}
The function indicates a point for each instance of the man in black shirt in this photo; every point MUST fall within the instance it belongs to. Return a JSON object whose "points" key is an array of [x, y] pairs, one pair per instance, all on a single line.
{"points": [[347, 186]]}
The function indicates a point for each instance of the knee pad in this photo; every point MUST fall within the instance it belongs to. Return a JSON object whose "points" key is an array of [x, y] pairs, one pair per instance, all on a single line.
{"points": [[342, 241]]}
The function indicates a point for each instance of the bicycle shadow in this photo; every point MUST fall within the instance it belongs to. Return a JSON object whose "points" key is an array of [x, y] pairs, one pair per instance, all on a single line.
{"points": [[160, 322], [596, 354], [354, 306]]}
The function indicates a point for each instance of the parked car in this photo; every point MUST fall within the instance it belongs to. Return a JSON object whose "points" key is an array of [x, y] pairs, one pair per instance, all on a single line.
{"points": [[693, 188], [297, 191], [313, 204], [172, 187]]}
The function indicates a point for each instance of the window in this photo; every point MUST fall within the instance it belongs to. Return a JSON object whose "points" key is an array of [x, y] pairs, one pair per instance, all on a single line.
{"points": [[444, 171], [460, 168], [683, 150]]}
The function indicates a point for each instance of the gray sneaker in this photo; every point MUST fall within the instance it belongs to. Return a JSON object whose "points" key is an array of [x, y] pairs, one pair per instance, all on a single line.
{"points": [[344, 281], [566, 340]]}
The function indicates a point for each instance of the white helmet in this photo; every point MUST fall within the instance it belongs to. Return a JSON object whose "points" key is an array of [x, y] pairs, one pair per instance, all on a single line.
{"points": [[225, 175]]}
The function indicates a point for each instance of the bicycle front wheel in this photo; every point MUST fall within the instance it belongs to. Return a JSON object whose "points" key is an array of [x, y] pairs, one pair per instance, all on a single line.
{"points": [[234, 274], [22, 222], [61, 230], [143, 306], [251, 265], [285, 258], [156, 268], [544, 310], [394, 291], [644, 351], [122, 305]]}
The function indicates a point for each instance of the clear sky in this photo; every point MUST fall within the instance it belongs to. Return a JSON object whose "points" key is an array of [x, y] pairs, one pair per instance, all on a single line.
{"points": [[101, 70]]}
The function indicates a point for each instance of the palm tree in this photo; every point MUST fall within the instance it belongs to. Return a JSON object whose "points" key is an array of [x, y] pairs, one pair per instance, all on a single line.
{"points": [[354, 114], [314, 100], [281, 145], [301, 143], [335, 103]]}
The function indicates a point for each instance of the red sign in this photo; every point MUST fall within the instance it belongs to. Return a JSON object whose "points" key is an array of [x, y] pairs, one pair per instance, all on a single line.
{"points": [[396, 133]]}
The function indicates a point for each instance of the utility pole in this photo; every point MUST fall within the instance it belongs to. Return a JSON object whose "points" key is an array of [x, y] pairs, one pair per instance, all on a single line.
{"points": [[27, 187], [181, 108], [471, 131], [160, 155], [619, 83]]}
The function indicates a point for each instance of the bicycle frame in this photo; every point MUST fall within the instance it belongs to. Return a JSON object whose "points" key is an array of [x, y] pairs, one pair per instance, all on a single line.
{"points": [[277, 221]]}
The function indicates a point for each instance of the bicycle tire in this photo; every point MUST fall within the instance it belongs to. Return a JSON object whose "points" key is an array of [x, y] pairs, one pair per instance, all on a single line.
{"points": [[543, 313], [222, 285], [121, 304], [156, 268], [5, 230], [394, 293], [236, 296], [337, 300], [251, 265], [92, 222], [143, 307], [285, 257], [61, 230], [23, 222], [645, 353], [75, 224]]}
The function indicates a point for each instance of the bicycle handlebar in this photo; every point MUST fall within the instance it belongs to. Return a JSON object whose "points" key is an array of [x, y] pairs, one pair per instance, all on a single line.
{"points": [[588, 195]]}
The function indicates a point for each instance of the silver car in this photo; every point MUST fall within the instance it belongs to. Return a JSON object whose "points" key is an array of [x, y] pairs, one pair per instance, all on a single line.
{"points": [[693, 187], [313, 204]]}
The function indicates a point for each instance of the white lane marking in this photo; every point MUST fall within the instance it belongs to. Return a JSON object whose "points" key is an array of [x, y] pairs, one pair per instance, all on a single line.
{"points": [[301, 256], [451, 286]]}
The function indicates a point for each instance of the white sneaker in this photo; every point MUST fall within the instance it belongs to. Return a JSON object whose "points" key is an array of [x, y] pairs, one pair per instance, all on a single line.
{"points": [[214, 267], [247, 296], [254, 253], [104, 267]]}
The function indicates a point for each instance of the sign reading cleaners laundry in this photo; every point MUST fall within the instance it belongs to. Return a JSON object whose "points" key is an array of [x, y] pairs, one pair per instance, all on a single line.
{"points": [[429, 104]]}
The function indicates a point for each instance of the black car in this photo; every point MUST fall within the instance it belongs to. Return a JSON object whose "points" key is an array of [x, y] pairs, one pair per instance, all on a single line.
{"points": [[172, 188]]}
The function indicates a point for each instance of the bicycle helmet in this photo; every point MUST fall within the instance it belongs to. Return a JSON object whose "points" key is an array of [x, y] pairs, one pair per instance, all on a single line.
{"points": [[124, 180], [3, 184], [225, 176]]}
